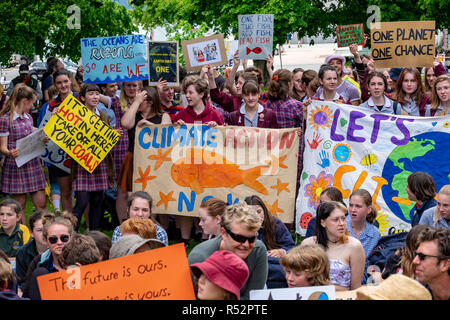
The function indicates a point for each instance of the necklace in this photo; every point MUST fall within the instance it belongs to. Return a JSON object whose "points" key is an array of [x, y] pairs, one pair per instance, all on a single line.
{"points": [[334, 241]]}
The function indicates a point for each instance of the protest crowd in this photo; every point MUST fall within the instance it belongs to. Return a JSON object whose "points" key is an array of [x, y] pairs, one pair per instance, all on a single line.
{"points": [[232, 248]]}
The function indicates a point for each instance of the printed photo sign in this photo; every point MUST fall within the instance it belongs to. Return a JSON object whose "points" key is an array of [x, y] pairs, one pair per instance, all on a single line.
{"points": [[158, 274], [403, 44], [203, 51], [255, 36], [81, 134], [348, 34], [349, 148], [163, 62], [181, 166], [114, 59]]}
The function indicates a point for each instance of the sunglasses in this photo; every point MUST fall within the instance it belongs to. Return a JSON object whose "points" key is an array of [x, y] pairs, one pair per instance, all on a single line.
{"points": [[54, 239], [422, 256], [240, 238]]}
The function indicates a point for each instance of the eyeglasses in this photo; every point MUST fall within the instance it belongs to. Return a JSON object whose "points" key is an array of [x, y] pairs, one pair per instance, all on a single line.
{"points": [[54, 239], [240, 238], [422, 256]]}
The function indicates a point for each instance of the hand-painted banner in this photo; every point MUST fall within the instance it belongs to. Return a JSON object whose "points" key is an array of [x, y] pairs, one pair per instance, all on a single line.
{"points": [[181, 166], [255, 36], [53, 154], [348, 34], [81, 134], [158, 274], [114, 59], [300, 293], [163, 62], [351, 148], [403, 44]]}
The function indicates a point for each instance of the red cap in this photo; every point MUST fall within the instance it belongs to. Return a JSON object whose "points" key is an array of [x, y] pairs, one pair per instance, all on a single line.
{"points": [[224, 269]]}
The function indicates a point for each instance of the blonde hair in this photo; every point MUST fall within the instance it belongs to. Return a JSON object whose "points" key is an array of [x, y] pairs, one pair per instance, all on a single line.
{"points": [[435, 101], [66, 219], [241, 213], [145, 228], [313, 260], [200, 85], [6, 272], [445, 190], [21, 91], [123, 100]]}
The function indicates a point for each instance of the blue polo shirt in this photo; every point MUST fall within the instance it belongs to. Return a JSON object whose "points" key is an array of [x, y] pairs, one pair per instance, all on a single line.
{"points": [[369, 237]]}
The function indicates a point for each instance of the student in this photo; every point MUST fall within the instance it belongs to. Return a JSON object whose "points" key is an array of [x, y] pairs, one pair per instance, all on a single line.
{"points": [[198, 111], [166, 96], [37, 245], [238, 234], [13, 234], [421, 189], [79, 251], [439, 216], [53, 64], [440, 99], [345, 253], [220, 277], [6, 282], [89, 187], [409, 92], [252, 113], [328, 78], [362, 215], [307, 77], [146, 109], [431, 73], [298, 90], [275, 235], [306, 266], [57, 231], [140, 206], [144, 228], [16, 123], [131, 244], [378, 101], [103, 243], [210, 214]]}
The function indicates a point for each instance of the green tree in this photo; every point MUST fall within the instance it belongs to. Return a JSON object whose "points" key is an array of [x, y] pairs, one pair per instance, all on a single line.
{"points": [[40, 27]]}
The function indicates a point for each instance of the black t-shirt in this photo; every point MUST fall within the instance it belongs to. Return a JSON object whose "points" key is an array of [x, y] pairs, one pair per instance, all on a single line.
{"points": [[156, 119]]}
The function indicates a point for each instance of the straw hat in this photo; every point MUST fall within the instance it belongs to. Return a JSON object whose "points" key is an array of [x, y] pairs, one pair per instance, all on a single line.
{"points": [[396, 287]]}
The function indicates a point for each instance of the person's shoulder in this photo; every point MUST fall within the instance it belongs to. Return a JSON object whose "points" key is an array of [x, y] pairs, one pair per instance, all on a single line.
{"points": [[309, 241], [354, 243], [203, 250]]}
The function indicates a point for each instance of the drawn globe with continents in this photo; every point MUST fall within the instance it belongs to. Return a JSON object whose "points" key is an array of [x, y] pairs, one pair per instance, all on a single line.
{"points": [[427, 152]]}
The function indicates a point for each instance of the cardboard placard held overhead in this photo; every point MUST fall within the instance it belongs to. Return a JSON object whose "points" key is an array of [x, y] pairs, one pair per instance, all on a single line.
{"points": [[255, 36], [158, 274], [203, 51], [348, 34], [403, 44], [163, 62]]}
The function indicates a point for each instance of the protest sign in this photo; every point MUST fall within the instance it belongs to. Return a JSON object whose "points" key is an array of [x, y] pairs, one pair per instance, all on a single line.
{"points": [[53, 154], [81, 134], [231, 46], [30, 147], [403, 44], [348, 34], [255, 36], [300, 293], [163, 62], [181, 166], [158, 274], [114, 59], [351, 148], [202, 51]]}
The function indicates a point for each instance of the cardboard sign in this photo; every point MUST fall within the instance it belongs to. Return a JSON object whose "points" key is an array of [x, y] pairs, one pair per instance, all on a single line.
{"points": [[81, 134], [163, 62], [53, 154], [30, 147], [255, 36], [114, 59], [349, 148], [300, 293], [403, 44], [348, 34], [230, 47], [158, 274], [203, 51], [181, 166]]}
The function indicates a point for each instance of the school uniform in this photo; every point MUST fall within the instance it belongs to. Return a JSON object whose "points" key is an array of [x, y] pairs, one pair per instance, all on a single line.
{"points": [[337, 98], [10, 244], [264, 118], [120, 149], [29, 177], [390, 107], [188, 115]]}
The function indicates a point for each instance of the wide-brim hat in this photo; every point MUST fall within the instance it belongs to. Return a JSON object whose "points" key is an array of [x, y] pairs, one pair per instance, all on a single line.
{"points": [[127, 245], [336, 56]]}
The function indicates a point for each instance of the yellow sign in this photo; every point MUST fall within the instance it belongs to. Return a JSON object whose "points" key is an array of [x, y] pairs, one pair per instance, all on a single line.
{"points": [[83, 135]]}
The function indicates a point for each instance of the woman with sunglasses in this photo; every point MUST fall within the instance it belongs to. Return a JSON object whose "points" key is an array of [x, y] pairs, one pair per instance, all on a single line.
{"points": [[238, 234], [345, 253], [57, 231]]}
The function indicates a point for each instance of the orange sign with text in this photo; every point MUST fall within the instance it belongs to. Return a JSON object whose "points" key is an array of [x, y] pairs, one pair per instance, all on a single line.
{"points": [[158, 274]]}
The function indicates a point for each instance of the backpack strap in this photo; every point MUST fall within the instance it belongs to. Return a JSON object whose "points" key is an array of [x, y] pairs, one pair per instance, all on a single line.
{"points": [[395, 107]]}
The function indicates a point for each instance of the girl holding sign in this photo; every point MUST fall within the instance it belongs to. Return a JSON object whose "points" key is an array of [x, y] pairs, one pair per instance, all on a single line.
{"points": [[440, 100], [16, 123], [89, 187]]}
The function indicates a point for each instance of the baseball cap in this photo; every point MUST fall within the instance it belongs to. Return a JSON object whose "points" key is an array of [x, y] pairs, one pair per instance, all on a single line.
{"points": [[23, 69]]}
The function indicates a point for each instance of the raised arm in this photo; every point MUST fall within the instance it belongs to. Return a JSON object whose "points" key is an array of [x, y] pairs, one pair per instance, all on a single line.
{"points": [[229, 84], [129, 118]]}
